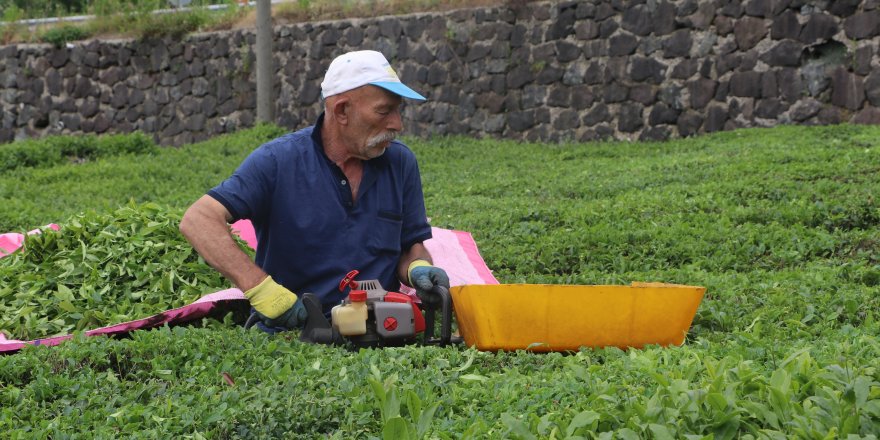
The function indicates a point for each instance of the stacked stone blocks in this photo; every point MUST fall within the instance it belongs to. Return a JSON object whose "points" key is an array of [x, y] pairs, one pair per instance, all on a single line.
{"points": [[548, 71]]}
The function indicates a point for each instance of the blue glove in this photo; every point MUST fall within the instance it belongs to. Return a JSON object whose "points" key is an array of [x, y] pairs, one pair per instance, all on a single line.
{"points": [[294, 317], [426, 278]]}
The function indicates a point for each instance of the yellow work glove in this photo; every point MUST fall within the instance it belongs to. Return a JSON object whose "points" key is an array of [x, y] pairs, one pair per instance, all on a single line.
{"points": [[270, 299]]}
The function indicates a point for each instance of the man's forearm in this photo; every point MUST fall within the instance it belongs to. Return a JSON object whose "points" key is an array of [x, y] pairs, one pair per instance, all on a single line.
{"points": [[206, 229], [417, 251]]}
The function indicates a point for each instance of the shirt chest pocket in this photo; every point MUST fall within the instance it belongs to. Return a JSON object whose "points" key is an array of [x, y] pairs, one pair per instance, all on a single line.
{"points": [[385, 237]]}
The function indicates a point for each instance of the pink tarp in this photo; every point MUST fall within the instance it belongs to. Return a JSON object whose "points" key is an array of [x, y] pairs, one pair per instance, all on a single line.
{"points": [[11, 241], [455, 251]]}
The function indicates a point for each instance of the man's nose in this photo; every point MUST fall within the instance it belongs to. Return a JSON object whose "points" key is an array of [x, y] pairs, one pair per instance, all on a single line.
{"points": [[395, 121]]}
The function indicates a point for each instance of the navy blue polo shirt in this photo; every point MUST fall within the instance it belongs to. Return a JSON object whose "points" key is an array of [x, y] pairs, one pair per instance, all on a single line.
{"points": [[310, 232]]}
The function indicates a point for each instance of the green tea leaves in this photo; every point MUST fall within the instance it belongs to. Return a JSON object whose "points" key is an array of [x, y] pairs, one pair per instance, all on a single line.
{"points": [[99, 270]]}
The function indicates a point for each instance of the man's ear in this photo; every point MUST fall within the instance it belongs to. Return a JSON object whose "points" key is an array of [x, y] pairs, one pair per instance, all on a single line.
{"points": [[341, 109]]}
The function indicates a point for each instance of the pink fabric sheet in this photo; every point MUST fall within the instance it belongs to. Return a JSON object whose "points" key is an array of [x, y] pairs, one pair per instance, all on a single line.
{"points": [[454, 251], [11, 241]]}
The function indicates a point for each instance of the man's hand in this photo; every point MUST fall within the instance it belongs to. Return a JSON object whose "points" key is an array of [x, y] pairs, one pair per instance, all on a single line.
{"points": [[426, 278], [294, 317], [276, 305]]}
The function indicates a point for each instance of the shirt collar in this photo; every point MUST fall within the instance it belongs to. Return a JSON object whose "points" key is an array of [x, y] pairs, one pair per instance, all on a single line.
{"points": [[316, 134]]}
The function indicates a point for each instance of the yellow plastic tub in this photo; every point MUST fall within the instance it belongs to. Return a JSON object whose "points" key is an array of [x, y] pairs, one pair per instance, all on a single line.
{"points": [[545, 317]]}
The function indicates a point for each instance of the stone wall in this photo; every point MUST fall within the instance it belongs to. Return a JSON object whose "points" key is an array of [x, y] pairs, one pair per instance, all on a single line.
{"points": [[554, 71]]}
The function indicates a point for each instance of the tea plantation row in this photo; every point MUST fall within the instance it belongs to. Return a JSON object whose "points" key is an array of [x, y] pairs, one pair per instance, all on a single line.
{"points": [[781, 226]]}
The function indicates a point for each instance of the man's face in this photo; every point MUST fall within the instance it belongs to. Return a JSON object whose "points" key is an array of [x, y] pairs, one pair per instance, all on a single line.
{"points": [[375, 121]]}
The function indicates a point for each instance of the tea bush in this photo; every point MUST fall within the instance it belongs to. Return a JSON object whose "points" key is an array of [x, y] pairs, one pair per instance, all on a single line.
{"points": [[779, 224], [56, 150]]}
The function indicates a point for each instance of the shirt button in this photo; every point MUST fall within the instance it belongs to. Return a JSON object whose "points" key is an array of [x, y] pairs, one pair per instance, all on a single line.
{"points": [[343, 182]]}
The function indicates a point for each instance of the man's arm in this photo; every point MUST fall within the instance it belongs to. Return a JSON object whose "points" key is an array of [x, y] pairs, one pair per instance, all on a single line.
{"points": [[205, 227], [417, 251]]}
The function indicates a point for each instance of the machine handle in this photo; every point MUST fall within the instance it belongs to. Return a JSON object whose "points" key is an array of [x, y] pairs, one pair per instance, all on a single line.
{"points": [[446, 316], [318, 328]]}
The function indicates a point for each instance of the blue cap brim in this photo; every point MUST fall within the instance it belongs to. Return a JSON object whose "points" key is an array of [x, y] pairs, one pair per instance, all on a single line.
{"points": [[399, 89]]}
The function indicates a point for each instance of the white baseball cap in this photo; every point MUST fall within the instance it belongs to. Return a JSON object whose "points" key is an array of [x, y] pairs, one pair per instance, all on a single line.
{"points": [[359, 68]]}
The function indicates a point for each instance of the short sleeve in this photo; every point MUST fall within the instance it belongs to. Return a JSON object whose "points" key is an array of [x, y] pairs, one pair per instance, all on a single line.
{"points": [[248, 191]]}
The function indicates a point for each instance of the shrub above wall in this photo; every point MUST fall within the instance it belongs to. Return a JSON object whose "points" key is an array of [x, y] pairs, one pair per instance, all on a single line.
{"points": [[538, 71]]}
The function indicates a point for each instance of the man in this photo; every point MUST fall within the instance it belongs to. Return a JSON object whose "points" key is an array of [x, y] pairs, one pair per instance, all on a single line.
{"points": [[340, 195]]}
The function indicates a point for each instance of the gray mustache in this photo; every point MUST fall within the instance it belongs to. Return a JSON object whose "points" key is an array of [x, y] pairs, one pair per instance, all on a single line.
{"points": [[384, 137]]}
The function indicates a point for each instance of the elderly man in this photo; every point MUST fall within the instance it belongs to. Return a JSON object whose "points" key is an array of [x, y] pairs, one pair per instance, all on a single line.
{"points": [[340, 195]]}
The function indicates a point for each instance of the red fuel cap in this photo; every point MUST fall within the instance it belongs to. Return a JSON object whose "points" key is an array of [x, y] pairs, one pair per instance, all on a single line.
{"points": [[390, 323]]}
